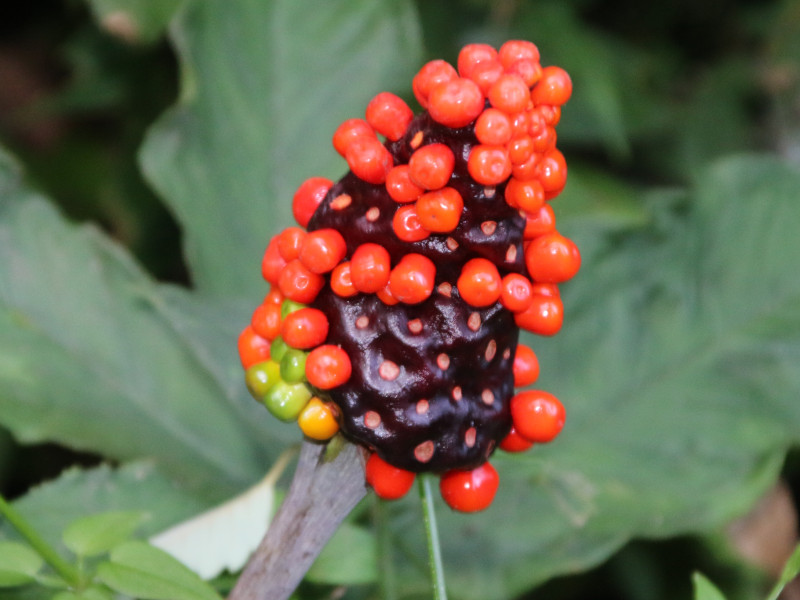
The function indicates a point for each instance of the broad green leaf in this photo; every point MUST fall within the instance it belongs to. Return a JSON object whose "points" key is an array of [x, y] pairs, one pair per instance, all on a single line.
{"points": [[91, 593], [87, 360], [134, 21], [142, 571], [138, 488], [99, 533], [264, 86], [19, 564], [349, 558], [704, 589], [677, 364]]}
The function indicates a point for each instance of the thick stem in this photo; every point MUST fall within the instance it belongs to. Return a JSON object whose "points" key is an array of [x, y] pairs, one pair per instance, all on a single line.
{"points": [[327, 485], [432, 535], [67, 571]]}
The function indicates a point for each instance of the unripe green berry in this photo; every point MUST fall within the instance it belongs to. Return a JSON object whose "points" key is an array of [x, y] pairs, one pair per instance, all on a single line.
{"points": [[293, 366], [287, 400], [261, 377], [289, 306], [277, 349]]}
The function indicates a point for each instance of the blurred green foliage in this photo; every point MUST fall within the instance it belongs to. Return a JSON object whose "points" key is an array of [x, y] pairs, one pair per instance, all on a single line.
{"points": [[679, 357]]}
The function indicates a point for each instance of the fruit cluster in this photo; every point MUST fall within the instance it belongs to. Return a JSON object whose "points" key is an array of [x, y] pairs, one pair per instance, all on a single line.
{"points": [[395, 307]]}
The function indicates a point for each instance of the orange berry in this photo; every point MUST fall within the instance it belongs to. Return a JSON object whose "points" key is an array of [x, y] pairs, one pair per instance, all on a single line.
{"points": [[304, 328], [297, 283], [527, 195], [308, 197], [272, 264], [526, 366], [544, 316], [369, 160], [323, 250], [554, 87], [266, 320], [485, 73], [514, 442], [388, 482], [520, 149], [489, 165], [514, 50], [341, 284], [479, 282], [389, 115], [253, 348], [412, 279], [493, 127], [529, 70], [349, 131], [431, 166], [274, 296], [430, 75], [385, 295], [318, 420], [526, 171], [455, 103], [473, 54], [552, 258], [290, 242], [370, 268], [552, 172], [509, 94], [440, 211], [407, 226], [469, 491], [327, 367], [544, 139], [537, 415], [400, 186], [539, 222], [516, 292]]}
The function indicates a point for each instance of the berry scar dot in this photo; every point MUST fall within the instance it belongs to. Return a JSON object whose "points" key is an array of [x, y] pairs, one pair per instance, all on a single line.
{"points": [[436, 248]]}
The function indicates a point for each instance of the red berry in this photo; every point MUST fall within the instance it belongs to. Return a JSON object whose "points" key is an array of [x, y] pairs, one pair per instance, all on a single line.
{"points": [[341, 284], [552, 258], [323, 249], [527, 195], [431, 166], [274, 296], [551, 171], [290, 242], [479, 282], [529, 70], [489, 165], [327, 367], [554, 87], [516, 292], [539, 222], [440, 211], [253, 348], [388, 482], [308, 197], [514, 50], [370, 266], [412, 279], [526, 366], [400, 186], [485, 74], [470, 491], [520, 149], [430, 75], [272, 264], [538, 416], [297, 283], [493, 127], [455, 103], [389, 115], [473, 54], [407, 226], [509, 94], [369, 159], [266, 320], [304, 328], [349, 131], [544, 316], [514, 442]]}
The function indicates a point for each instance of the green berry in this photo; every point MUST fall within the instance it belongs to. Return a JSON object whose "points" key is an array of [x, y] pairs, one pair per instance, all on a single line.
{"points": [[287, 400], [278, 348], [293, 366], [261, 377], [289, 306]]}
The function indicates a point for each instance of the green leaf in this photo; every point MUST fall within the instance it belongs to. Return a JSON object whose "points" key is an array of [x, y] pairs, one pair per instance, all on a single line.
{"points": [[265, 84], [135, 21], [790, 570], [87, 360], [142, 571], [99, 533], [133, 488], [704, 589], [349, 558], [90, 593], [18, 564], [677, 364]]}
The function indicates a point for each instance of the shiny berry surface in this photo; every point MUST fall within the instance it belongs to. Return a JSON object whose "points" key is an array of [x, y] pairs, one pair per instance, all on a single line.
{"points": [[470, 491]]}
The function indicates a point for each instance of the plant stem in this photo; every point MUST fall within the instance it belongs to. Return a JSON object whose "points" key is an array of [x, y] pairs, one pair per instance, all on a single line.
{"points": [[67, 571], [432, 534]]}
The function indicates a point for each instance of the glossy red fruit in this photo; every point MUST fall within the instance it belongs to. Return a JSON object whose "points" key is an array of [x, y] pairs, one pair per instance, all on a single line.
{"points": [[554, 87], [455, 103], [388, 482], [369, 159], [470, 491], [328, 366], [489, 165], [322, 250], [304, 328], [297, 283], [370, 268], [479, 283], [412, 279], [431, 166], [526, 366], [308, 197], [349, 131], [253, 348], [544, 316], [514, 442], [389, 115], [471, 55], [538, 416], [552, 258], [430, 75]]}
